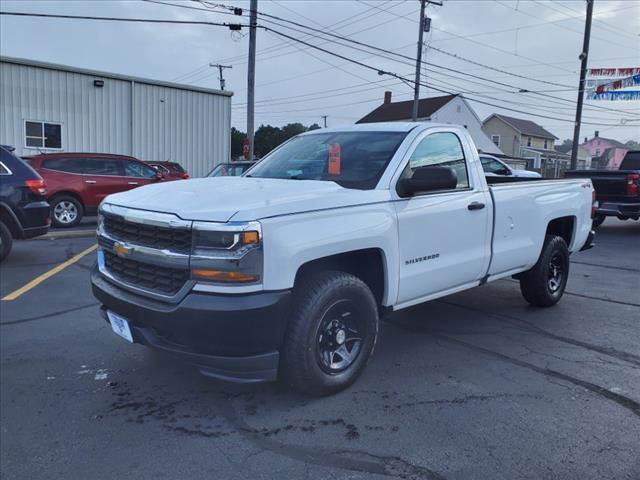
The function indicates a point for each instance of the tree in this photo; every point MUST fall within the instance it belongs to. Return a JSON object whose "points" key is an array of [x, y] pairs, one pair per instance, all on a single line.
{"points": [[567, 142], [237, 139], [314, 126], [633, 145], [268, 137]]}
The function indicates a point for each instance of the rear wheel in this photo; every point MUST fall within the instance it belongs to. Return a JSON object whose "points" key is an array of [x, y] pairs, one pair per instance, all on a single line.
{"points": [[331, 333], [66, 211], [6, 241], [544, 284], [597, 221]]}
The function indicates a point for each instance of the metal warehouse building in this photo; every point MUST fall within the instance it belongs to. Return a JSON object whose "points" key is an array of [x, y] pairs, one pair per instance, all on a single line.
{"points": [[52, 108]]}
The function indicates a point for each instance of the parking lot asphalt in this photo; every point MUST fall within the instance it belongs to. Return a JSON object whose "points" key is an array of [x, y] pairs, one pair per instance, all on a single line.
{"points": [[478, 385]]}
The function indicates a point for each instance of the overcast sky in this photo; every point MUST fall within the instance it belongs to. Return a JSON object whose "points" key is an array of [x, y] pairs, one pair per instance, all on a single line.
{"points": [[538, 40]]}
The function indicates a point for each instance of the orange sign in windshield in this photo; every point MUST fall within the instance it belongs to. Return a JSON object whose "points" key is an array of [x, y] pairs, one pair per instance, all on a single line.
{"points": [[333, 168]]}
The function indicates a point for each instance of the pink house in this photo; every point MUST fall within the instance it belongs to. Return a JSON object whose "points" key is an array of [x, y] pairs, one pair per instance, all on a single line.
{"points": [[610, 152]]}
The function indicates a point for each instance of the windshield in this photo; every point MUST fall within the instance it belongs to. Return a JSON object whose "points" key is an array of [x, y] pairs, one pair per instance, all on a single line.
{"points": [[351, 159]]}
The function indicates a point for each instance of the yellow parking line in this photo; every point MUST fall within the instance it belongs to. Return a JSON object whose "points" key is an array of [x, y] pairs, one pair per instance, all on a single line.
{"points": [[37, 281]]}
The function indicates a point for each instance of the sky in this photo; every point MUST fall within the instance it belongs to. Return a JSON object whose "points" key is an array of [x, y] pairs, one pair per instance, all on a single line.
{"points": [[488, 50]]}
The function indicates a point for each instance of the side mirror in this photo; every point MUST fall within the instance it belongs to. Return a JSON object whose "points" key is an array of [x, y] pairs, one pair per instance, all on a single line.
{"points": [[159, 175], [504, 171], [426, 179]]}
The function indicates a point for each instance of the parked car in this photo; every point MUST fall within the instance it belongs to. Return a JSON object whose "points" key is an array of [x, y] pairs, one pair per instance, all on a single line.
{"points": [[494, 167], [286, 271], [24, 212], [170, 170], [233, 169], [78, 182], [617, 191]]}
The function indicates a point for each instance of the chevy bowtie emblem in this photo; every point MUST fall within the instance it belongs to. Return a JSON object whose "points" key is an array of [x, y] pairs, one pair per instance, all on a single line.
{"points": [[121, 250]]}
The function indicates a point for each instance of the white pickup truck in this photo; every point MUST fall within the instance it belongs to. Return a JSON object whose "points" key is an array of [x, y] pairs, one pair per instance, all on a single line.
{"points": [[287, 269]]}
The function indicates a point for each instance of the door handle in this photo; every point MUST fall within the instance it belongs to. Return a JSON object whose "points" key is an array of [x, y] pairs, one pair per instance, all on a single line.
{"points": [[132, 183], [89, 181], [475, 206]]}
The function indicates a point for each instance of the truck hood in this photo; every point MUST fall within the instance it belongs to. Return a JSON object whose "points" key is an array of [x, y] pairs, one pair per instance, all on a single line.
{"points": [[223, 199]]}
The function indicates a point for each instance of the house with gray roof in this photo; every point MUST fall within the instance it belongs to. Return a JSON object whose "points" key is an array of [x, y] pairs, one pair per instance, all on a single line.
{"points": [[522, 138]]}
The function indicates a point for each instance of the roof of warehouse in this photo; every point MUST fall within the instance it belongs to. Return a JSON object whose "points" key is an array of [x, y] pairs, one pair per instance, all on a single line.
{"points": [[115, 76]]}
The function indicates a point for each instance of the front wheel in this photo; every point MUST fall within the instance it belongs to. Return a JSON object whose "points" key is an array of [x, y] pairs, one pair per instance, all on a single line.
{"points": [[544, 284], [6, 241], [331, 333]]}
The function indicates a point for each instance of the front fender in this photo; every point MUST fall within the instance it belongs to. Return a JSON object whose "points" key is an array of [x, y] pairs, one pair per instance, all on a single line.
{"points": [[290, 241]]}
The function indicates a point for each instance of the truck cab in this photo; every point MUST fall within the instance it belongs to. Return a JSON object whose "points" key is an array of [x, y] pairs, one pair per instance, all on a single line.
{"points": [[285, 271]]}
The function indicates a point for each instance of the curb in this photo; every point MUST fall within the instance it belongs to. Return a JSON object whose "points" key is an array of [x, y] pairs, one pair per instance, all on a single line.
{"points": [[60, 234]]}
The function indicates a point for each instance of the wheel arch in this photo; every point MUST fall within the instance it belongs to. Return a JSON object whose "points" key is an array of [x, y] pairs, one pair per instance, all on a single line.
{"points": [[68, 193], [10, 220], [368, 264], [564, 227]]}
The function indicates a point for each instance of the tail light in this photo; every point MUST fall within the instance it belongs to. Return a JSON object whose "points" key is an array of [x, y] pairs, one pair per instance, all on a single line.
{"points": [[185, 175], [39, 187], [593, 204], [632, 184]]}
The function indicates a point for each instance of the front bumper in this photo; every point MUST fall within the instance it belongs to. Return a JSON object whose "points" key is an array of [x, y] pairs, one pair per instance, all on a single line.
{"points": [[231, 337], [619, 209]]}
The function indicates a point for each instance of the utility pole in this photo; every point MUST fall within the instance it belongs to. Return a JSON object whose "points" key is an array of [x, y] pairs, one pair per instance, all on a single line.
{"points": [[583, 73], [424, 26], [251, 73], [324, 117], [220, 69]]}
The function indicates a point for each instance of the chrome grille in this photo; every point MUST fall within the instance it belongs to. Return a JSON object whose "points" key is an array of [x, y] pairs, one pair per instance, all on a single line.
{"points": [[174, 239], [143, 275]]}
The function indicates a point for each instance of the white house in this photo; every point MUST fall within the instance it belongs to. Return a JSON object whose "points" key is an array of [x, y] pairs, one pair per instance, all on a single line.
{"points": [[444, 109]]}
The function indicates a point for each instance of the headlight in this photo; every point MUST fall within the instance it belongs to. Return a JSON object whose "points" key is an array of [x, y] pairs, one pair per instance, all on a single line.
{"points": [[227, 254]]}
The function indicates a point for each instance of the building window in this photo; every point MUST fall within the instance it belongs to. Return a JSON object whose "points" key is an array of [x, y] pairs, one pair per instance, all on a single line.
{"points": [[546, 144], [496, 139], [43, 135], [597, 152], [528, 141]]}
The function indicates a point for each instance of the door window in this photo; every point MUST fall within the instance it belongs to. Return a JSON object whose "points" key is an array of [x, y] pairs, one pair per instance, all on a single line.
{"points": [[491, 165], [139, 170], [69, 165], [102, 166], [441, 150]]}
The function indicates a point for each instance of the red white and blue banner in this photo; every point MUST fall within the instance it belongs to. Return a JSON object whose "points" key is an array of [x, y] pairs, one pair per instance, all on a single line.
{"points": [[616, 88]]}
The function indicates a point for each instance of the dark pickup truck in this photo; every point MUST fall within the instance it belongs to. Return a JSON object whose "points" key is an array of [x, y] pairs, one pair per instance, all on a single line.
{"points": [[617, 191]]}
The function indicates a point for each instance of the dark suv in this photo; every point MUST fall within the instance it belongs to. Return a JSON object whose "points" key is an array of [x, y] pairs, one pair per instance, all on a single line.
{"points": [[24, 212]]}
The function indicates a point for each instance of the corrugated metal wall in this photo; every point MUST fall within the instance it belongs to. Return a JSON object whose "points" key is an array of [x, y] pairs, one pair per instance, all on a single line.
{"points": [[190, 127]]}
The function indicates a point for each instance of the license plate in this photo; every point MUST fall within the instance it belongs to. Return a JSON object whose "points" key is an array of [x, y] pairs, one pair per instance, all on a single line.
{"points": [[120, 325]]}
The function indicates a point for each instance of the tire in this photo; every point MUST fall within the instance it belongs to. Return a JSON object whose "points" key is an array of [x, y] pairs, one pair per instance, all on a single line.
{"points": [[544, 284], [597, 221], [66, 211], [331, 312], [6, 241]]}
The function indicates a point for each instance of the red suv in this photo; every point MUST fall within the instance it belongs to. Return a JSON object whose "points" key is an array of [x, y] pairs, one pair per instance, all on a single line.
{"points": [[170, 170], [78, 182]]}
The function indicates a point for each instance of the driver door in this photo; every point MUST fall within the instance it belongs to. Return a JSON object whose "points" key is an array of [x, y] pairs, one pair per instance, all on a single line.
{"points": [[443, 235]]}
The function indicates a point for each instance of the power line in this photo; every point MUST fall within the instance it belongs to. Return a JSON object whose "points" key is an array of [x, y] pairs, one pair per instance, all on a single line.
{"points": [[383, 72], [122, 19]]}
